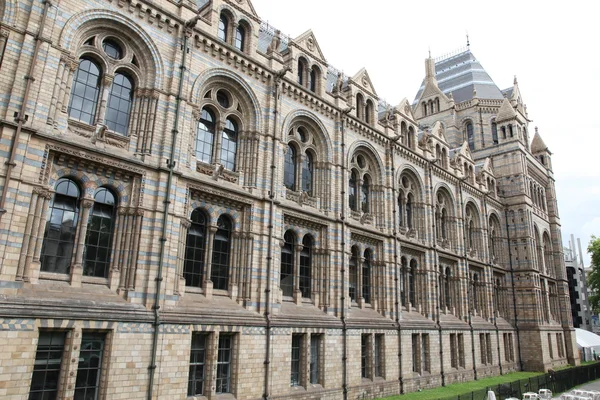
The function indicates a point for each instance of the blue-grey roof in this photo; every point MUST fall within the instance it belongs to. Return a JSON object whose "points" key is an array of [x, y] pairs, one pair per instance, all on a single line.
{"points": [[265, 37], [460, 74]]}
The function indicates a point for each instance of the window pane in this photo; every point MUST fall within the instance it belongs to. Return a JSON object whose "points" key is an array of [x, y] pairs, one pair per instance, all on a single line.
{"points": [[353, 278], [366, 278], [112, 49], [89, 368], [229, 145], [240, 36], [296, 356], [119, 104], [307, 174], [352, 191], [223, 28], [315, 341], [193, 268], [46, 369], [205, 136], [221, 253], [84, 93], [289, 173], [99, 235], [286, 276], [224, 364], [305, 267], [197, 363]]}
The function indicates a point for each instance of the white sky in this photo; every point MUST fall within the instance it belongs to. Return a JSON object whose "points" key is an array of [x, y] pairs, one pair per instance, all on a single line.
{"points": [[551, 47]]}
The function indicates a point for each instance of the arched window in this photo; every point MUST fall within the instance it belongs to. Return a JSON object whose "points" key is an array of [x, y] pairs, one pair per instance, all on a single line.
{"points": [[221, 254], [286, 275], [240, 38], [352, 189], [409, 211], [412, 272], [301, 71], [99, 236], [497, 296], [510, 130], [59, 236], [447, 278], [470, 136], [307, 174], [494, 132], [366, 277], [474, 291], [365, 194], [353, 274], [229, 144], [305, 266], [289, 171], [84, 94], [424, 109], [411, 137], [223, 27], [444, 224], [503, 132], [360, 106], [118, 107], [401, 209], [112, 49], [404, 280], [205, 136], [369, 112], [193, 266], [548, 255], [470, 234]]}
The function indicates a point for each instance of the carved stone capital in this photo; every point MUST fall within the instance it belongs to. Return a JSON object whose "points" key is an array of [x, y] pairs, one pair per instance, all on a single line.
{"points": [[87, 203], [4, 33], [186, 223], [107, 80], [42, 192]]}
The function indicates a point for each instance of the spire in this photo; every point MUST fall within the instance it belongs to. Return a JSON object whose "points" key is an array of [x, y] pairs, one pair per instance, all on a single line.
{"points": [[537, 144], [429, 68], [468, 43]]}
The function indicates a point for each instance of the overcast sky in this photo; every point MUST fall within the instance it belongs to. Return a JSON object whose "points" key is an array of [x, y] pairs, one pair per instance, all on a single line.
{"points": [[551, 47]]}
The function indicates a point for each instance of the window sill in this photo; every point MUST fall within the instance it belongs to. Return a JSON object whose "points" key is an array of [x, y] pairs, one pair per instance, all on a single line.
{"points": [[94, 280], [97, 134], [301, 198], [217, 171], [194, 290], [54, 276]]}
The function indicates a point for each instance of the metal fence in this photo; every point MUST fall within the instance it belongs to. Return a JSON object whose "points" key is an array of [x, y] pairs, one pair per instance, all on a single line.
{"points": [[557, 382]]}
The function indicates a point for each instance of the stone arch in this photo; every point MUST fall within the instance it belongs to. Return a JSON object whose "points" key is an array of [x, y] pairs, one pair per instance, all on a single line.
{"points": [[471, 202], [79, 26], [368, 149], [235, 84], [413, 174], [445, 189], [315, 123]]}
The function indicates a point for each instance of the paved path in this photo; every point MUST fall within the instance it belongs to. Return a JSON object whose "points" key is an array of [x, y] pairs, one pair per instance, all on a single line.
{"points": [[594, 385]]}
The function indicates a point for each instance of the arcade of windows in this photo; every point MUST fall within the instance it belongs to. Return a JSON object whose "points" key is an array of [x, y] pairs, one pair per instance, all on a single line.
{"points": [[235, 34], [538, 195], [90, 80], [407, 195], [431, 107], [299, 161], [365, 110], [360, 185], [308, 77]]}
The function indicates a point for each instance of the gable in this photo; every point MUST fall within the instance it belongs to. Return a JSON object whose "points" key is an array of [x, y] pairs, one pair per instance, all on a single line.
{"points": [[244, 6], [405, 108], [308, 42], [362, 79]]}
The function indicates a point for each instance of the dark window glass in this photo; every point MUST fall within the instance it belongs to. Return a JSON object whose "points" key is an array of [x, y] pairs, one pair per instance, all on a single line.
{"points": [[368, 112], [411, 282], [353, 274], [206, 136], [447, 288], [474, 294], [119, 104], [240, 38], [197, 362], [352, 189], [470, 136], [312, 82], [365, 194], [112, 49], [364, 356], [377, 353], [307, 174], [193, 267], [403, 280], [90, 366], [223, 99], [444, 220], [494, 133], [84, 94], [223, 23], [224, 357], [296, 357], [409, 211], [510, 130], [503, 132], [301, 72], [424, 352], [471, 231], [59, 236], [98, 241], [229, 145], [289, 173], [401, 209], [315, 341], [46, 368], [286, 276], [221, 254], [415, 352], [305, 267], [366, 277]]}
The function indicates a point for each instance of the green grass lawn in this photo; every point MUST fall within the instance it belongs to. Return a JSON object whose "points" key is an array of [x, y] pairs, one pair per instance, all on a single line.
{"points": [[462, 388]]}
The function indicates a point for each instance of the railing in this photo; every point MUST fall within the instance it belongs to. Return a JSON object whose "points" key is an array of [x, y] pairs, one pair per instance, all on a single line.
{"points": [[557, 382]]}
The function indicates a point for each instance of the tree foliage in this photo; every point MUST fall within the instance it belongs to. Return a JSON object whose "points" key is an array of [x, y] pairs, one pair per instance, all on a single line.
{"points": [[594, 276]]}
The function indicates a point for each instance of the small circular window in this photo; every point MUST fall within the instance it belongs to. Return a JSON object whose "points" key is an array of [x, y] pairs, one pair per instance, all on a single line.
{"points": [[112, 49], [223, 99]]}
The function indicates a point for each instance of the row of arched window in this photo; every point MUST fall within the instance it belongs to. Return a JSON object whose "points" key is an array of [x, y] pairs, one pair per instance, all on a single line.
{"points": [[308, 77], [430, 107], [365, 110], [232, 32], [538, 195]]}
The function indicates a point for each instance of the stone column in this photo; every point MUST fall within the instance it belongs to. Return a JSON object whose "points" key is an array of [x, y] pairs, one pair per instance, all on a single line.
{"points": [[138, 216], [107, 81], [32, 263], [236, 250], [77, 268], [34, 205], [208, 284], [297, 293]]}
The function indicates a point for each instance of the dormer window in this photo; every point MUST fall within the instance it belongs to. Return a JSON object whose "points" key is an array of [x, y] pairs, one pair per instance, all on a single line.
{"points": [[470, 136], [240, 38], [223, 27]]}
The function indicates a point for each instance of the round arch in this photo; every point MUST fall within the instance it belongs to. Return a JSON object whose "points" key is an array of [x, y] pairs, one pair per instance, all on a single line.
{"points": [[373, 155], [314, 122]]}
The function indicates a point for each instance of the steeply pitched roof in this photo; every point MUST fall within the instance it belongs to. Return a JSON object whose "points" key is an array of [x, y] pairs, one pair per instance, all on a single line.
{"points": [[460, 75], [506, 111], [537, 144]]}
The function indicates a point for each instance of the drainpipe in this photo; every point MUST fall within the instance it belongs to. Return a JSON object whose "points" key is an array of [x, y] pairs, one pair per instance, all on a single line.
{"points": [[275, 93], [166, 202], [396, 253], [496, 312], [343, 114], [21, 116], [512, 278], [436, 272], [469, 294]]}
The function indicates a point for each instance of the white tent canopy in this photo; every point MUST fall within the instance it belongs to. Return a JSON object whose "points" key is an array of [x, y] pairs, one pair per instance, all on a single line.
{"points": [[588, 343]]}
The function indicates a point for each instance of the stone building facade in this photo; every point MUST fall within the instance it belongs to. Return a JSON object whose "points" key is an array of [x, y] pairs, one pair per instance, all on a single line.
{"points": [[196, 206]]}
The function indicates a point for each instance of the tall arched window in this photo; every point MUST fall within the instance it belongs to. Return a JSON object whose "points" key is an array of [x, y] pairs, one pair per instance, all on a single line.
{"points": [[352, 189], [221, 254], [470, 234], [409, 211], [494, 132], [369, 112], [510, 130], [59, 236], [365, 194], [412, 272], [313, 79], [444, 224], [470, 136], [353, 274], [118, 107], [401, 209], [474, 291], [240, 38], [497, 296], [366, 277], [404, 281], [447, 278], [84, 94], [205, 136], [193, 266], [223, 27], [301, 71], [289, 171], [286, 275], [359, 106], [307, 174], [305, 266], [229, 144], [99, 236]]}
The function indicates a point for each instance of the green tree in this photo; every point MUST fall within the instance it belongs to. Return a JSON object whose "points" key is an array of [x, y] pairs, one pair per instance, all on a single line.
{"points": [[594, 276]]}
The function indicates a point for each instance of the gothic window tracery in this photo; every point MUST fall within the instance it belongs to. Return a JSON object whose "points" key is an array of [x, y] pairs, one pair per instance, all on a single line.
{"points": [[299, 161]]}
